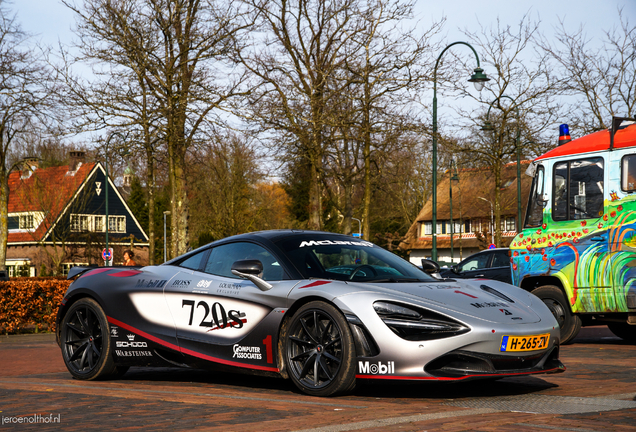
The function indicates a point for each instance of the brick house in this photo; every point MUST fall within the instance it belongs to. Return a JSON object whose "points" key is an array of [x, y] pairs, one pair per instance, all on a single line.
{"points": [[473, 194], [57, 219]]}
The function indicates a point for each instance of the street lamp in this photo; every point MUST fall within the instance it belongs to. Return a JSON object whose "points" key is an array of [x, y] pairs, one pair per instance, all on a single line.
{"points": [[165, 250], [478, 78], [492, 221], [106, 191], [359, 227], [452, 176], [490, 128]]}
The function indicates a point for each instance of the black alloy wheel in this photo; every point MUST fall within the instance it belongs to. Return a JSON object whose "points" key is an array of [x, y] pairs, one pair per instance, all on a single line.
{"points": [[86, 345], [319, 350], [556, 301]]}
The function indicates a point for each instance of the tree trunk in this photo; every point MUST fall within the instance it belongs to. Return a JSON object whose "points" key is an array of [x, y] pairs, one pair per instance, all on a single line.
{"points": [[4, 216]]}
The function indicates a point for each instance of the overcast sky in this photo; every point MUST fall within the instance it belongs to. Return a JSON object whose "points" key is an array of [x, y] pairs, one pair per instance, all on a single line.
{"points": [[50, 20]]}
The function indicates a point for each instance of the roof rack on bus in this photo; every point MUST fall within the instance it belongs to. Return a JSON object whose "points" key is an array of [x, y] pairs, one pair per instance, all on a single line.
{"points": [[616, 125]]}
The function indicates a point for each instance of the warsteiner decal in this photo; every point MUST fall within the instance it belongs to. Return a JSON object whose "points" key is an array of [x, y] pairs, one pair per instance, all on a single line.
{"points": [[121, 353]]}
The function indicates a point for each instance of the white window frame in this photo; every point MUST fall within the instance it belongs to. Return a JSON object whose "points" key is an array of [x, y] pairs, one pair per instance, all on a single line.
{"points": [[117, 224], [427, 228]]}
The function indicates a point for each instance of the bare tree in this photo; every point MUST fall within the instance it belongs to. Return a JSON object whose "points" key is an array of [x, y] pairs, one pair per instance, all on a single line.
{"points": [[24, 90], [179, 53], [296, 64], [602, 79], [520, 98]]}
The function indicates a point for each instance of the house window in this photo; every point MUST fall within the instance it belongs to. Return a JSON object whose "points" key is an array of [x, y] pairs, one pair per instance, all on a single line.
{"points": [[98, 223], [510, 224], [80, 223], [439, 228], [427, 228], [117, 224], [26, 222], [457, 227], [467, 226]]}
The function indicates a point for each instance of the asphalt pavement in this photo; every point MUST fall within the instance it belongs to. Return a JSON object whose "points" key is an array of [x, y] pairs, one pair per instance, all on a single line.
{"points": [[596, 393]]}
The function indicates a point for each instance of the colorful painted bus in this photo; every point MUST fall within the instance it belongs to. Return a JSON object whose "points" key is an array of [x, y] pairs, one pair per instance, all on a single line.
{"points": [[577, 249]]}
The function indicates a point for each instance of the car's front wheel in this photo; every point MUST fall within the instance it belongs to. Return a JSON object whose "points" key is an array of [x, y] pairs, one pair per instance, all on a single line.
{"points": [[555, 300], [319, 350], [86, 345]]}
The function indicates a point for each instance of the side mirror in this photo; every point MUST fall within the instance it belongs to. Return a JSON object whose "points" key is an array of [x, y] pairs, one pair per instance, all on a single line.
{"points": [[455, 269], [430, 266], [251, 270]]}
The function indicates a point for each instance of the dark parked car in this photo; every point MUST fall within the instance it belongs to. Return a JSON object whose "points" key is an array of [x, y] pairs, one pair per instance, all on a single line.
{"points": [[489, 264]]}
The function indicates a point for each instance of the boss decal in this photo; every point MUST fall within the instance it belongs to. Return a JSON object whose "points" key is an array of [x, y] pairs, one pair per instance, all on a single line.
{"points": [[219, 318], [143, 283], [182, 283]]}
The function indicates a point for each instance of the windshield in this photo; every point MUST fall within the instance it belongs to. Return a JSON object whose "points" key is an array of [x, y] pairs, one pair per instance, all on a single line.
{"points": [[322, 257]]}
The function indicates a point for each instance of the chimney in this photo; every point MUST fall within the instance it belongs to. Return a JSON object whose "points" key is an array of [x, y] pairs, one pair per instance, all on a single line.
{"points": [[76, 159], [30, 164]]}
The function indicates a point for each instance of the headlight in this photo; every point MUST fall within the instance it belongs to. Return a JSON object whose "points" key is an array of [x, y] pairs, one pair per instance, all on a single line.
{"points": [[417, 324]]}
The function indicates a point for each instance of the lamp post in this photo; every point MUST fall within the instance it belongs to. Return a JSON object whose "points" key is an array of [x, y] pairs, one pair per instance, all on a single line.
{"points": [[359, 227], [452, 176], [489, 127], [478, 78], [165, 249], [106, 190], [492, 221]]}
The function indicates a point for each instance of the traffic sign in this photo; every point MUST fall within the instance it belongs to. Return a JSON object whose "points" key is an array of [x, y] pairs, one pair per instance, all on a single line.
{"points": [[107, 255], [492, 246]]}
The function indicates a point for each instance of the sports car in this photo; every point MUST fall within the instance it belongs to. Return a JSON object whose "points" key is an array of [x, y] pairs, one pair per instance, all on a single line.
{"points": [[324, 310]]}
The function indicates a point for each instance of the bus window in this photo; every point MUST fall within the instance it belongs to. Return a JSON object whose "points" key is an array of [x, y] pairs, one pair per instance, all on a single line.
{"points": [[534, 217], [628, 173], [578, 189]]}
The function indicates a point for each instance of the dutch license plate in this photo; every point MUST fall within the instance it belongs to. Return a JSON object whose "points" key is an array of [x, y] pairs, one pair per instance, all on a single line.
{"points": [[525, 343]]}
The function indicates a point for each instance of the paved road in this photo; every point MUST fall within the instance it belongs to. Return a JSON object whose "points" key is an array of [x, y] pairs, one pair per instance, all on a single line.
{"points": [[597, 393]]}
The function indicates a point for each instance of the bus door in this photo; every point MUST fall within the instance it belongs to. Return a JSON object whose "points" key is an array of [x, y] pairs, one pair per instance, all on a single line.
{"points": [[622, 237], [580, 228]]}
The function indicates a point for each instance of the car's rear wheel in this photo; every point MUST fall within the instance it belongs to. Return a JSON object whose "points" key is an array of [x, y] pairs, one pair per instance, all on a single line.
{"points": [[319, 350], [86, 345], [624, 331], [555, 300]]}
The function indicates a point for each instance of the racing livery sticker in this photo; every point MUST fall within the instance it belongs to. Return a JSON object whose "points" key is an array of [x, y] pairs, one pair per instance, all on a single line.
{"points": [[378, 368]]}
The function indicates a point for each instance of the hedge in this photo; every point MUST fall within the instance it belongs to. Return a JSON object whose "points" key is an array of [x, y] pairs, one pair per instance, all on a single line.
{"points": [[30, 304]]}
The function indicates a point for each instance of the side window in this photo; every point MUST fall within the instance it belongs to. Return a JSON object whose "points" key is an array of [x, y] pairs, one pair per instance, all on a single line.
{"points": [[500, 259], [578, 189], [478, 262], [194, 262], [628, 173], [222, 257]]}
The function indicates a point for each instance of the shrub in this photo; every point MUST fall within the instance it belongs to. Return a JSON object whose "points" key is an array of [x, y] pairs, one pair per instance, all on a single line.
{"points": [[30, 303]]}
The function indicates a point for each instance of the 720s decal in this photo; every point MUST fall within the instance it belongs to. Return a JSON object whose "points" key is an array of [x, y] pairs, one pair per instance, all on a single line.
{"points": [[219, 318]]}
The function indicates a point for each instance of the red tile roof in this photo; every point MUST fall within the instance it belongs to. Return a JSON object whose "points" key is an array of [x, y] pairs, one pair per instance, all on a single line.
{"points": [[46, 190]]}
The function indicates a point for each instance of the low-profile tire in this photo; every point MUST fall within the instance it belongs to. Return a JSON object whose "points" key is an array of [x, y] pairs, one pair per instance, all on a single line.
{"points": [[319, 350], [624, 331], [556, 301], [86, 345]]}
